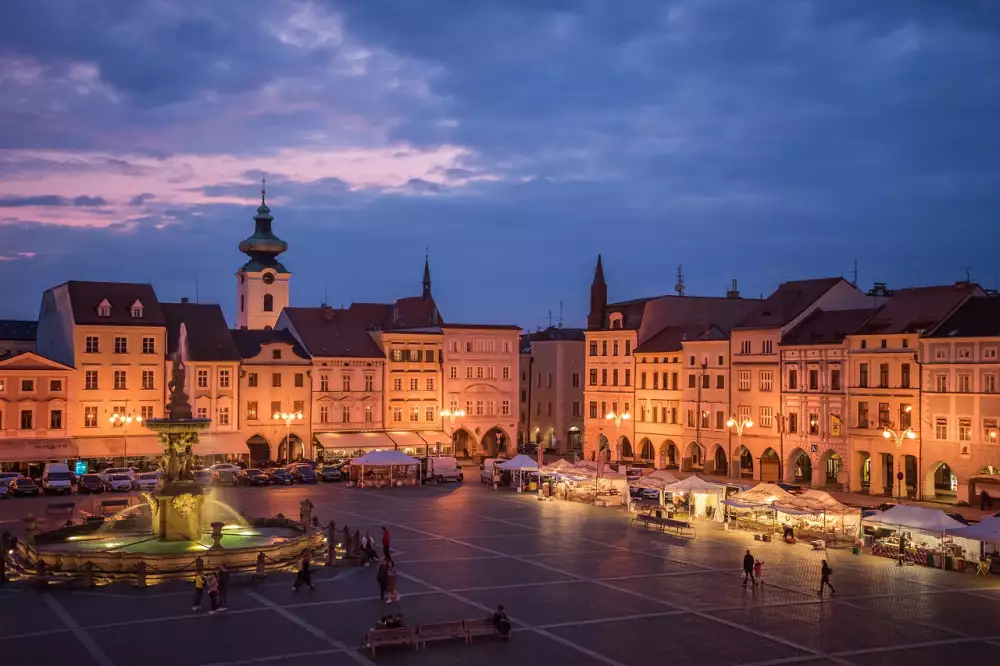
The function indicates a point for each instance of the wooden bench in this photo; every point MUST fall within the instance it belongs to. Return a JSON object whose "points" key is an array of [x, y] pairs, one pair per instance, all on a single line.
{"points": [[115, 505], [398, 636], [480, 627], [60, 508], [442, 631]]}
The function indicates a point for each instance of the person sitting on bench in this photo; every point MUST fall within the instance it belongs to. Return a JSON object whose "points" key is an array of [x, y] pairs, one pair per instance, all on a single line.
{"points": [[502, 622], [789, 533]]}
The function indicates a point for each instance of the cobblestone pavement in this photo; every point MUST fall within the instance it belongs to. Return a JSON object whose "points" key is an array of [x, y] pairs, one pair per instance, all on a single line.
{"points": [[581, 586]]}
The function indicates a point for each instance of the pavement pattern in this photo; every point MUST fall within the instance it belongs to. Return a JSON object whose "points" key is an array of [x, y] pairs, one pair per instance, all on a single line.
{"points": [[581, 586]]}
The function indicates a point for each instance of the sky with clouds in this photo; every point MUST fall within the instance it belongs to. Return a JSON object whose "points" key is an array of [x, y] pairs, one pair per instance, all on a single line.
{"points": [[515, 139]]}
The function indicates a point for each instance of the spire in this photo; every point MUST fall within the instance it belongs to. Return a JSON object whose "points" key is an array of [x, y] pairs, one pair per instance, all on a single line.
{"points": [[427, 274], [599, 271], [263, 191], [263, 247], [598, 297]]}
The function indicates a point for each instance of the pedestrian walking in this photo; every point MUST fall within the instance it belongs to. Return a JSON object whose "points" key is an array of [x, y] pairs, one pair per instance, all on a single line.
{"points": [[369, 550], [824, 580], [212, 587], [748, 562], [223, 574], [391, 592], [385, 541], [199, 591], [382, 576], [756, 569], [304, 576]]}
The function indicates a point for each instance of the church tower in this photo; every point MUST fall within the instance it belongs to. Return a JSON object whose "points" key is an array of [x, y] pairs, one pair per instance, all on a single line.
{"points": [[598, 297], [262, 282], [427, 277]]}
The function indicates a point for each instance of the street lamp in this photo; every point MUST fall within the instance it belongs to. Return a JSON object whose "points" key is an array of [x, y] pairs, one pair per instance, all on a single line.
{"points": [[618, 418], [451, 415], [899, 436], [740, 424], [288, 418], [123, 421]]}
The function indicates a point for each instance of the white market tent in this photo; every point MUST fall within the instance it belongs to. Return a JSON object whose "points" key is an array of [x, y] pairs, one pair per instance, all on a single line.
{"points": [[915, 518], [695, 484], [385, 457], [705, 495], [986, 530], [760, 496], [815, 510], [385, 467], [560, 465], [520, 463], [662, 475]]}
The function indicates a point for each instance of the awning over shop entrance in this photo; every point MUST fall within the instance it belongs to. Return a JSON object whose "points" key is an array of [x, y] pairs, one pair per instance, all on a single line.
{"points": [[407, 440], [347, 443], [116, 447], [435, 437], [32, 450], [222, 443]]}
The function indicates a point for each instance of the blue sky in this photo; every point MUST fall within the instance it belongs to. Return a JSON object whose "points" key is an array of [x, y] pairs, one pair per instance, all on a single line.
{"points": [[516, 139]]}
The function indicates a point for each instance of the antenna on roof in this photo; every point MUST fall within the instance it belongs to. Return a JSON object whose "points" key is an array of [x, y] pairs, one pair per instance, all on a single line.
{"points": [[326, 295], [855, 281], [679, 287], [550, 318], [968, 273], [560, 314], [196, 294]]}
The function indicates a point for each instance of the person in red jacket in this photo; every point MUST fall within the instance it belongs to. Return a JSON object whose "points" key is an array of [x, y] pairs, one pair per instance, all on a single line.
{"points": [[385, 541]]}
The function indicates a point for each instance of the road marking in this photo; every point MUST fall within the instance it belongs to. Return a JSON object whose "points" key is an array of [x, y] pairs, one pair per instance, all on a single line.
{"points": [[277, 657], [81, 635], [315, 631]]}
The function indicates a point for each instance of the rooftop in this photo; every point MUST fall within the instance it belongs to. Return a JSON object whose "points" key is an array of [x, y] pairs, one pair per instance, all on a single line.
{"points": [[918, 309], [339, 332], [18, 330], [978, 317], [787, 302], [208, 336], [86, 299], [250, 342], [823, 327], [671, 338]]}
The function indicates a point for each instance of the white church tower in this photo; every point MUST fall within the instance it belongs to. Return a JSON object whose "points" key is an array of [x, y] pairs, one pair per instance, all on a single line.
{"points": [[261, 283]]}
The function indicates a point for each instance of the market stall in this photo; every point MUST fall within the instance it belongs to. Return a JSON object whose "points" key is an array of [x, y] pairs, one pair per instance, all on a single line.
{"points": [[817, 514], [703, 498], [924, 536], [753, 509], [520, 467], [382, 469], [987, 533]]}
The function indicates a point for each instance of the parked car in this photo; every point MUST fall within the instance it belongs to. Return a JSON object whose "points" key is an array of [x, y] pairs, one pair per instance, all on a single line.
{"points": [[202, 477], [4, 492], [91, 483], [329, 473], [281, 476], [7, 477], [56, 479], [486, 469], [224, 473], [111, 471], [23, 486], [118, 483], [146, 481], [302, 472], [252, 477], [440, 469]]}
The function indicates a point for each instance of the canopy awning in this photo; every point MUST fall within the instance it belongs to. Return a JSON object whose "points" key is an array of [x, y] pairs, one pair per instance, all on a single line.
{"points": [[520, 463], [406, 439], [695, 484], [385, 458], [220, 443], [31, 450], [434, 437], [355, 440], [763, 494], [915, 518], [116, 447], [987, 530], [812, 502]]}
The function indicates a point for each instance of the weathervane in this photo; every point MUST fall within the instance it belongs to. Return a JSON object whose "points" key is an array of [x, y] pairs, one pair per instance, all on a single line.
{"points": [[263, 190]]}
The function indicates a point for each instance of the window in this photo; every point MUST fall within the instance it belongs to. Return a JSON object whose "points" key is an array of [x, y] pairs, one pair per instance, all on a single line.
{"points": [[324, 414], [864, 344], [90, 380], [628, 377], [576, 380], [745, 347], [202, 412], [505, 372], [883, 375], [368, 413], [883, 414], [55, 419], [468, 372], [990, 354], [593, 348], [506, 346], [345, 414], [252, 379], [793, 422], [397, 384], [722, 360], [835, 379], [300, 379], [453, 372], [524, 395], [941, 428], [905, 416], [744, 380], [119, 384], [940, 354], [148, 345], [990, 434], [276, 379], [884, 342], [964, 354], [765, 380], [137, 310], [275, 407], [429, 414], [628, 347], [414, 384], [468, 346], [720, 420], [941, 383], [147, 380], [766, 417], [814, 424], [491, 408], [268, 303], [604, 347], [813, 380], [369, 383], [121, 345], [690, 418], [27, 386], [706, 417], [27, 419], [614, 377], [548, 380], [673, 380], [793, 379], [276, 354], [656, 380], [224, 377], [863, 377], [692, 381], [604, 377], [223, 416], [691, 361], [324, 382], [766, 347], [429, 384], [862, 414], [92, 345], [904, 377], [614, 348], [480, 374], [593, 409], [146, 411], [964, 383], [965, 430], [538, 409], [90, 417], [202, 378], [252, 410], [55, 385], [989, 383], [479, 407], [397, 414]]}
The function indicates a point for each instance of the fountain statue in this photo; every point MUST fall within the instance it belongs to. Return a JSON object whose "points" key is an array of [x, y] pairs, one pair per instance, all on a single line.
{"points": [[177, 514]]}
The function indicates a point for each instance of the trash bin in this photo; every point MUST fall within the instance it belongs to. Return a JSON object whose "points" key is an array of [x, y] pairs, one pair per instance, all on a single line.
{"points": [[855, 550]]}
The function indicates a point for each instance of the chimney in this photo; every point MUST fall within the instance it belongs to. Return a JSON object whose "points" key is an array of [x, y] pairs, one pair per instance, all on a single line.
{"points": [[733, 291], [184, 299]]}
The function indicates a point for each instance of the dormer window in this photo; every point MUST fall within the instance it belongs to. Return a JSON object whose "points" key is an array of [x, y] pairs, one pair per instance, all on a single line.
{"points": [[104, 309], [615, 320], [137, 309]]}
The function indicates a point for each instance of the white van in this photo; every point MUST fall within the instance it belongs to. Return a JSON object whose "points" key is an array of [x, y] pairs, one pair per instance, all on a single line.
{"points": [[56, 479], [486, 469], [440, 469]]}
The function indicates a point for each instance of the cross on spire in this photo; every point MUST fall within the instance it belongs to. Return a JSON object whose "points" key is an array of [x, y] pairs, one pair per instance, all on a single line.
{"points": [[263, 190]]}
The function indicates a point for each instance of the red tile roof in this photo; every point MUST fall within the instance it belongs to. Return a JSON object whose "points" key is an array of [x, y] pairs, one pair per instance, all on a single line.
{"points": [[671, 338], [85, 297], [326, 331], [787, 302], [823, 327], [918, 309]]}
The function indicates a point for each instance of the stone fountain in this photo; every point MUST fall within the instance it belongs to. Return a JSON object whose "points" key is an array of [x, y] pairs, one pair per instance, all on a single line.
{"points": [[177, 509]]}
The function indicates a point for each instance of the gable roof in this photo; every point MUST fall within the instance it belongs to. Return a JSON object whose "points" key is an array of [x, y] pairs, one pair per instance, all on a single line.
{"points": [[208, 337], [85, 297], [978, 317], [249, 342], [333, 332], [18, 330], [32, 360], [918, 309], [672, 338], [787, 302], [823, 327]]}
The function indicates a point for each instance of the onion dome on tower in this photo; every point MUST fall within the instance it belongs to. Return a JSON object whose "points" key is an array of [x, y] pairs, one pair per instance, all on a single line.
{"points": [[263, 247]]}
